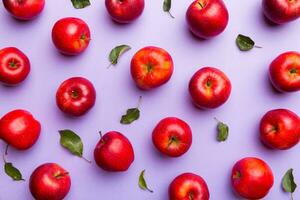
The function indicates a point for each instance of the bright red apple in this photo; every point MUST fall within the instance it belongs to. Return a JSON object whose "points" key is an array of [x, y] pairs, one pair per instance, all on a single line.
{"points": [[209, 88], [124, 11], [188, 186], [19, 129], [14, 66], [284, 72], [252, 178], [49, 182], [71, 36], [172, 136], [207, 18], [151, 67], [281, 11], [114, 152], [76, 96]]}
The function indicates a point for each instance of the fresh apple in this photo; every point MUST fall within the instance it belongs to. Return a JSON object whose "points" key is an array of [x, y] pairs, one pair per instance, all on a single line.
{"points": [[151, 67], [19, 129], [114, 152], [188, 186], [14, 66], [124, 11], [207, 18], [71, 36], [284, 72], [76, 96], [281, 11], [49, 182], [280, 129], [24, 9], [172, 136], [252, 178], [209, 88]]}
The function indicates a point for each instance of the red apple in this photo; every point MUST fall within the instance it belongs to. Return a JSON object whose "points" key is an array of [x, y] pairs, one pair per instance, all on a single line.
{"points": [[252, 178], [71, 36], [172, 136], [19, 129], [281, 11], [114, 152], [24, 9], [151, 67], [76, 96], [280, 129], [124, 11], [207, 18], [188, 186], [209, 88], [284, 72], [49, 182], [14, 66]]}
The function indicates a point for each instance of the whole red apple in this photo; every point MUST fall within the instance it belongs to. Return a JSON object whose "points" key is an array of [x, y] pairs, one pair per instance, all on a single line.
{"points": [[49, 182], [19, 129], [284, 72], [14, 66], [114, 152], [280, 129], [209, 88], [207, 18], [188, 186], [172, 136], [76, 96], [151, 67], [71, 36], [252, 178], [124, 11], [281, 11], [24, 9]]}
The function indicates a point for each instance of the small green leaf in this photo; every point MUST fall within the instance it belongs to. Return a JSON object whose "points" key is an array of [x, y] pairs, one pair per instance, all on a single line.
{"points": [[116, 52], [78, 4], [245, 43], [13, 172], [167, 6], [223, 131], [142, 182], [288, 183], [132, 114]]}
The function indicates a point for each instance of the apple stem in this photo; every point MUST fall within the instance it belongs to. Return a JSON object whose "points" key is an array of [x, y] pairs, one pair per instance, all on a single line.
{"points": [[139, 102], [61, 175], [6, 149], [292, 197], [86, 159], [100, 133], [171, 15]]}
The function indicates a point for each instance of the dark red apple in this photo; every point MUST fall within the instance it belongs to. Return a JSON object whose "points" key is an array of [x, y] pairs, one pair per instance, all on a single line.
{"points": [[284, 72], [207, 18], [151, 67], [172, 136], [124, 11], [252, 178], [188, 186], [49, 182], [19, 129], [114, 152]]}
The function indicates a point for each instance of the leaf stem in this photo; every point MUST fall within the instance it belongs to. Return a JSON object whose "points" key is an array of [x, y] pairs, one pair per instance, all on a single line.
{"points": [[84, 158], [139, 102], [6, 149], [217, 120], [4, 160], [292, 197], [172, 16], [256, 46]]}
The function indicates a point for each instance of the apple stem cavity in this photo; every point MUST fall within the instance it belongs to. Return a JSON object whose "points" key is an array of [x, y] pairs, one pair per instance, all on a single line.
{"points": [[202, 4], [58, 176]]}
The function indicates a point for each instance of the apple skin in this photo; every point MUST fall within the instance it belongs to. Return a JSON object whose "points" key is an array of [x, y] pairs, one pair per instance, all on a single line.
{"points": [[71, 36], [124, 11], [25, 9], [284, 71], [252, 178], [207, 18], [280, 129], [281, 11], [114, 152], [172, 136], [151, 67], [209, 88], [19, 129], [76, 96], [188, 186], [49, 181], [14, 66]]}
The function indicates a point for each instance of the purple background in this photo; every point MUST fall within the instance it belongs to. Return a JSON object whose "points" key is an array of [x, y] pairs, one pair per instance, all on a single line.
{"points": [[251, 97]]}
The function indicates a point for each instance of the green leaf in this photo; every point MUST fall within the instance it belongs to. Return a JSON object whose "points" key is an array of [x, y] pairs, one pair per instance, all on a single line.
{"points": [[223, 131], [167, 6], [78, 4], [142, 182], [13, 172], [116, 52], [245, 43], [132, 114], [288, 183]]}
